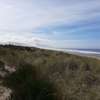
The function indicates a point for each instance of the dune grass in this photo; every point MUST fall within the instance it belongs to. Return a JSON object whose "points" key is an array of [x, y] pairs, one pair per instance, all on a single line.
{"points": [[51, 75]]}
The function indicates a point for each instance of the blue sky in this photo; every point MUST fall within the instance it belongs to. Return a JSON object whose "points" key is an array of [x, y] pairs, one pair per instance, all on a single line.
{"points": [[54, 23]]}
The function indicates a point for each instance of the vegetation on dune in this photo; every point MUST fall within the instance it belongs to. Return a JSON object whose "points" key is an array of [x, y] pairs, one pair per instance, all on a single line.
{"points": [[50, 75], [26, 85]]}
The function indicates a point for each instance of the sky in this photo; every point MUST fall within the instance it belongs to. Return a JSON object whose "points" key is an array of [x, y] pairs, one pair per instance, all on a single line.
{"points": [[52, 23]]}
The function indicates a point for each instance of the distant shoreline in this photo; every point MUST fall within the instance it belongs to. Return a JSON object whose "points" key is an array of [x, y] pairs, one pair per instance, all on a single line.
{"points": [[82, 53], [90, 54], [87, 55], [77, 52]]}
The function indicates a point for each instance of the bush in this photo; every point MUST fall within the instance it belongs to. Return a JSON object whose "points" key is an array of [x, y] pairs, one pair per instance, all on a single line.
{"points": [[27, 86]]}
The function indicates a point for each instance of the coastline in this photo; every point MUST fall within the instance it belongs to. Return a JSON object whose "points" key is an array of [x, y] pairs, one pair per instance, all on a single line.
{"points": [[87, 54], [83, 53]]}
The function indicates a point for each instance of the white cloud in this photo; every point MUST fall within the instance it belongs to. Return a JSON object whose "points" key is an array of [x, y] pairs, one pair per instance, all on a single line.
{"points": [[26, 15], [19, 18], [25, 39]]}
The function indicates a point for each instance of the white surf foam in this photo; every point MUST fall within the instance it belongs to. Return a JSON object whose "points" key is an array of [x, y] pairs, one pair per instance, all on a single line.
{"points": [[82, 51]]}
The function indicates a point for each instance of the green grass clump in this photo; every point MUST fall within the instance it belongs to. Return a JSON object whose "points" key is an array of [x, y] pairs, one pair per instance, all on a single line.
{"points": [[26, 85]]}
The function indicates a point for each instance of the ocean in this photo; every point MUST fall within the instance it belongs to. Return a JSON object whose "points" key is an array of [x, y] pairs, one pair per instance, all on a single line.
{"points": [[84, 51]]}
